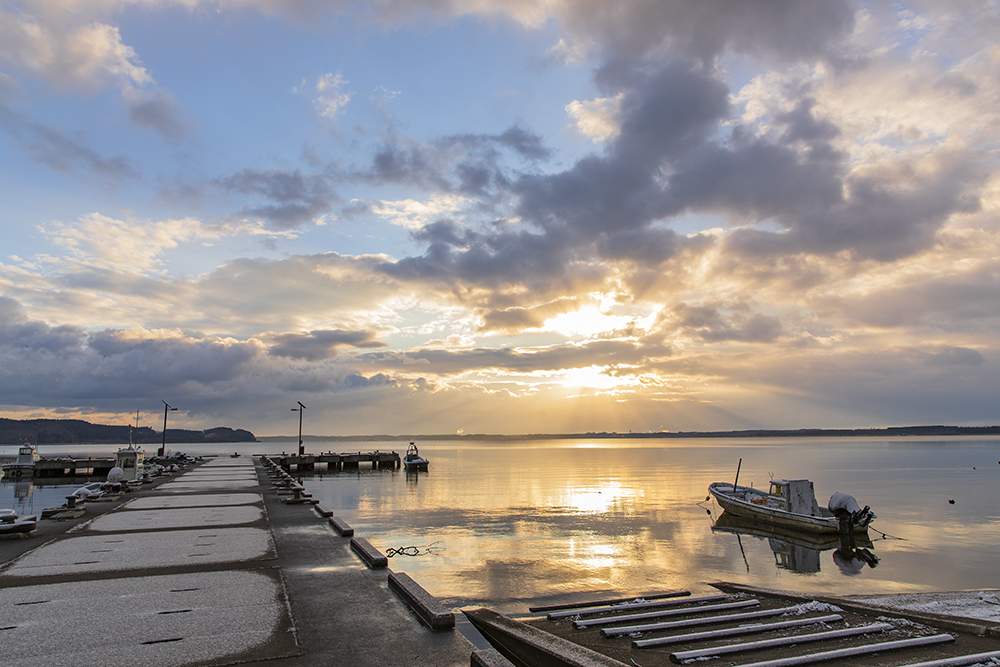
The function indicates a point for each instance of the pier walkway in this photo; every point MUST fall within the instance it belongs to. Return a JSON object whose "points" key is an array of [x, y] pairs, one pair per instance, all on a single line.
{"points": [[208, 568]]}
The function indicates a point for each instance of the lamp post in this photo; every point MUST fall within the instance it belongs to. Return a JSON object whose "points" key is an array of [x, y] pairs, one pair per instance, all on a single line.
{"points": [[302, 449], [166, 409]]}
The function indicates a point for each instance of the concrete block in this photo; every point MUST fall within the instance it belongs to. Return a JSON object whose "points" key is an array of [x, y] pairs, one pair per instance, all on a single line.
{"points": [[322, 510], [372, 557], [341, 527], [425, 605], [489, 658]]}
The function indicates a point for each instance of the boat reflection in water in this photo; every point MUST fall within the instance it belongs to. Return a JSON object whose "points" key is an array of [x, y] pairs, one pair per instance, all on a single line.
{"points": [[801, 552]]}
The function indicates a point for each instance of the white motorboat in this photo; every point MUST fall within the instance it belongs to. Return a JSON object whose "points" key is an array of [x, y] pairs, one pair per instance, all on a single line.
{"points": [[413, 460], [24, 464], [791, 503]]}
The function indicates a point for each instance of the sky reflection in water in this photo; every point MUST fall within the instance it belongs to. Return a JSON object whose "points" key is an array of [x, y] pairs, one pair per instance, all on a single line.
{"points": [[547, 521]]}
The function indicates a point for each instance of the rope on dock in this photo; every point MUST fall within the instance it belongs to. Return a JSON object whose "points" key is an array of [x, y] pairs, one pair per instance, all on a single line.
{"points": [[414, 551]]}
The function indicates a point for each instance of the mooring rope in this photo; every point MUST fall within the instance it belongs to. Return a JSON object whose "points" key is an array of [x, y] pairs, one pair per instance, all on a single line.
{"points": [[886, 536], [414, 551]]}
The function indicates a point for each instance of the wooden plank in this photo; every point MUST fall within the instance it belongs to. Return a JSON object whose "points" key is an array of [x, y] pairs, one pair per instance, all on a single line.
{"points": [[653, 604], [755, 628], [685, 656], [958, 661], [666, 613], [853, 652], [600, 603], [695, 622]]}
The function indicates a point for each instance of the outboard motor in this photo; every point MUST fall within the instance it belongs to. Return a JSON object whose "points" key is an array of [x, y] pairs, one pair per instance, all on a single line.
{"points": [[846, 508]]}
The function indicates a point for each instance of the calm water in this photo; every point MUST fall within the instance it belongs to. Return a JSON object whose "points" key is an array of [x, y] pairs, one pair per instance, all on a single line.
{"points": [[503, 524]]}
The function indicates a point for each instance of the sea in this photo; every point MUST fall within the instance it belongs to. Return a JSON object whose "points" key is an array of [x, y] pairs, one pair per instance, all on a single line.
{"points": [[511, 524]]}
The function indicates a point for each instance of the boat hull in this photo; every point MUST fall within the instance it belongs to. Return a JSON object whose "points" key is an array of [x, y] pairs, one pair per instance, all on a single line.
{"points": [[723, 494]]}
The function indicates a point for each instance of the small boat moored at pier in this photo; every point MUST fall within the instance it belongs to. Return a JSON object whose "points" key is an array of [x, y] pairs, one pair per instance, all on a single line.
{"points": [[791, 504], [413, 460]]}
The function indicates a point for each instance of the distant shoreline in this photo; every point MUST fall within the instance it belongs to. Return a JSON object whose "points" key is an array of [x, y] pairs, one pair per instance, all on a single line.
{"points": [[894, 431], [77, 432]]}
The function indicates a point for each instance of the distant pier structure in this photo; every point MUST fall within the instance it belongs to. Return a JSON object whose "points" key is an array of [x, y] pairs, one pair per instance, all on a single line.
{"points": [[74, 467], [332, 461]]}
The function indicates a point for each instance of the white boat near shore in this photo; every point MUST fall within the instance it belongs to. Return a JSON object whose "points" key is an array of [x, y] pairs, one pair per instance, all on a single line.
{"points": [[791, 504]]}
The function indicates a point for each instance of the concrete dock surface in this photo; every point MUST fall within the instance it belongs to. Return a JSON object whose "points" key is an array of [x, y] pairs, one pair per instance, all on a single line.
{"points": [[208, 567]]}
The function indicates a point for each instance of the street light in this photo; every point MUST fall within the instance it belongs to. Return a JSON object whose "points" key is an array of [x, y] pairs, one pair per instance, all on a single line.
{"points": [[302, 449], [166, 408]]}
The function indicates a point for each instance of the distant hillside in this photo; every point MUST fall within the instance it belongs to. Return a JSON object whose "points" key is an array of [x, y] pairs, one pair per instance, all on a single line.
{"points": [[76, 431]]}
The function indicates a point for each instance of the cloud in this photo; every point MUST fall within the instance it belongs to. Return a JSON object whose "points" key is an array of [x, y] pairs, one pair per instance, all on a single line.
{"points": [[67, 52], [711, 325], [83, 57], [99, 241], [159, 111], [316, 345], [49, 146], [330, 100], [468, 164], [414, 214], [297, 198], [705, 30], [596, 119], [50, 366], [509, 360]]}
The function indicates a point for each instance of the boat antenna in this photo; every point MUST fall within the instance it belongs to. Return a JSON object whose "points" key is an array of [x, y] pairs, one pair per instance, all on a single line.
{"points": [[738, 465]]}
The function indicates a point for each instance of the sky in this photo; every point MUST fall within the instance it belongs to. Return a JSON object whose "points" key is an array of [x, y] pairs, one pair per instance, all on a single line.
{"points": [[500, 216]]}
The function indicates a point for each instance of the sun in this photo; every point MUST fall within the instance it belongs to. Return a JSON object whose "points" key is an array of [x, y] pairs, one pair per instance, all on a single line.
{"points": [[585, 323], [594, 377]]}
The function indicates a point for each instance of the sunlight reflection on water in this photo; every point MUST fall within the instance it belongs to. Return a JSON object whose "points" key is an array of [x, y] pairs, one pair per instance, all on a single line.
{"points": [[549, 521]]}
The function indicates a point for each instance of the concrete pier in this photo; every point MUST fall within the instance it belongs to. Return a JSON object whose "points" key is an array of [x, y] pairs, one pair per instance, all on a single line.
{"points": [[376, 460], [210, 567]]}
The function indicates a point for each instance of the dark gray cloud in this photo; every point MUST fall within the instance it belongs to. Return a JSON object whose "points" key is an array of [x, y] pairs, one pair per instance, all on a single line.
{"points": [[160, 112], [518, 319], [49, 146], [706, 29], [321, 344], [21, 336], [357, 381], [608, 200], [712, 325], [959, 301], [559, 357], [955, 356], [65, 365], [297, 198], [470, 164]]}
